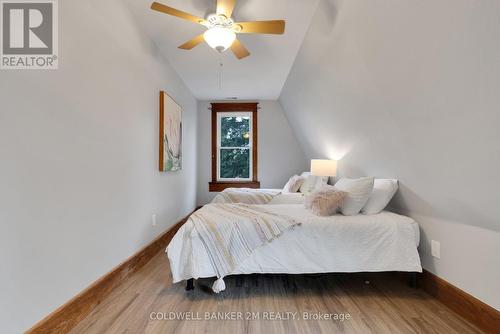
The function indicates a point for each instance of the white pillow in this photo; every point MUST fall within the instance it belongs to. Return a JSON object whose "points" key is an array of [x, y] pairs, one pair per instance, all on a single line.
{"points": [[358, 192], [383, 191], [312, 183], [293, 185]]}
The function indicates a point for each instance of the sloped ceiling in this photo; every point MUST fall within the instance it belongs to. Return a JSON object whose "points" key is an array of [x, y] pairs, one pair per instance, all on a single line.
{"points": [[370, 87], [259, 76]]}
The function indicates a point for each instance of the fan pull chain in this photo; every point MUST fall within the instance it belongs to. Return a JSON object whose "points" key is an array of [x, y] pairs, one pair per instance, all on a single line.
{"points": [[220, 72]]}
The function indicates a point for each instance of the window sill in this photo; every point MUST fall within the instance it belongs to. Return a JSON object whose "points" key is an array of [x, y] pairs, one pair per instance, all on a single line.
{"points": [[220, 186]]}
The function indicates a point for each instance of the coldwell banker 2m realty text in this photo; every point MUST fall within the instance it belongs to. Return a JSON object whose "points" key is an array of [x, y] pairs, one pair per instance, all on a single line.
{"points": [[29, 34]]}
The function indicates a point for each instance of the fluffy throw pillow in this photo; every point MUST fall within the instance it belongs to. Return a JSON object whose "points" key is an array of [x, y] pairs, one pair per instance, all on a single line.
{"points": [[358, 192], [293, 185], [383, 191], [312, 182], [325, 201]]}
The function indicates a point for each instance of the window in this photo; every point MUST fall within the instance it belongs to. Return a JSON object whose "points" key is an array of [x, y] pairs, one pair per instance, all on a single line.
{"points": [[234, 146]]}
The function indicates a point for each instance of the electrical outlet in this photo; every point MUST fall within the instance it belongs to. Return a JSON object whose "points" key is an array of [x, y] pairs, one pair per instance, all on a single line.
{"points": [[436, 249], [153, 219]]}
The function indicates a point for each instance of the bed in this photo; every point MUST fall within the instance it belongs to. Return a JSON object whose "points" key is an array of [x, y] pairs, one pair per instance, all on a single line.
{"points": [[363, 243]]}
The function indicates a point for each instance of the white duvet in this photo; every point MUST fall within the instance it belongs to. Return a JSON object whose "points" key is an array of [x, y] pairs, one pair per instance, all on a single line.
{"points": [[288, 198], [278, 197], [381, 242]]}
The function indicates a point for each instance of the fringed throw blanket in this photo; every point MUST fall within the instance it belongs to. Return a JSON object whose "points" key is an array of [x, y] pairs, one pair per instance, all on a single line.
{"points": [[245, 195], [231, 232]]}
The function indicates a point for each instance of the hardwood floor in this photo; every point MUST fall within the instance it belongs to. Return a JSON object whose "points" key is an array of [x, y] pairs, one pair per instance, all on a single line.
{"points": [[376, 303]]}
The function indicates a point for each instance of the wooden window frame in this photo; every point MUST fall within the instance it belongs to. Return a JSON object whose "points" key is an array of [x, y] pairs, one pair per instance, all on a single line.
{"points": [[215, 185]]}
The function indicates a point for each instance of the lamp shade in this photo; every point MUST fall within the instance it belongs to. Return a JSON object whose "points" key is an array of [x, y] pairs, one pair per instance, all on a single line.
{"points": [[219, 38], [321, 167]]}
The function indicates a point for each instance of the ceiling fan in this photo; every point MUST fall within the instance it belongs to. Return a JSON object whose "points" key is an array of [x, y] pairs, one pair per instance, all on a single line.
{"points": [[221, 29]]}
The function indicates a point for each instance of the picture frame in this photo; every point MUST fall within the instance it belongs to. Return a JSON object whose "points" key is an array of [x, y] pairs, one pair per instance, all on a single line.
{"points": [[170, 134]]}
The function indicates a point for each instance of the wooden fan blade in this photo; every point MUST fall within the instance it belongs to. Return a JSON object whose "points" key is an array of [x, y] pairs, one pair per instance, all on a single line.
{"points": [[239, 50], [225, 7], [175, 12], [192, 43], [262, 27]]}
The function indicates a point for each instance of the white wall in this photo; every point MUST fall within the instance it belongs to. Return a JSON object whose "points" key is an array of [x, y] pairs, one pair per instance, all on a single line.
{"points": [[410, 89], [280, 155], [78, 161]]}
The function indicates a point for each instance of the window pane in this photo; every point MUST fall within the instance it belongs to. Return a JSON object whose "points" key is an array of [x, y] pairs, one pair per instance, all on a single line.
{"points": [[235, 131], [234, 163]]}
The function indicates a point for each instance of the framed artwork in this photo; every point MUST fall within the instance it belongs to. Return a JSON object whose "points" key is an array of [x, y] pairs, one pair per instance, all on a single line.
{"points": [[170, 134]]}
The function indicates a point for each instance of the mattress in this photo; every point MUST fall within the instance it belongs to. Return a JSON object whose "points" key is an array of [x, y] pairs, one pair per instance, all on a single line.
{"points": [[361, 243]]}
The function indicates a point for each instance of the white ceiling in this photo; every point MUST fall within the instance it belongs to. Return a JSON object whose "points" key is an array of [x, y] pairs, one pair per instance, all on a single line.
{"points": [[259, 76]]}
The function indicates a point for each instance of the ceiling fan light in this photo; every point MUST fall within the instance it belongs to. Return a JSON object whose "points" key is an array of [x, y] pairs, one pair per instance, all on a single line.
{"points": [[219, 38]]}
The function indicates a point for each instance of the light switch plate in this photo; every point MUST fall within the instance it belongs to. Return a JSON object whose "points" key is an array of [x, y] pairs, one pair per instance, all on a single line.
{"points": [[436, 249]]}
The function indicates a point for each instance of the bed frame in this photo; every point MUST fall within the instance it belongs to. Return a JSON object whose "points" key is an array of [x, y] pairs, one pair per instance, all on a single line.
{"points": [[413, 281], [190, 284]]}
